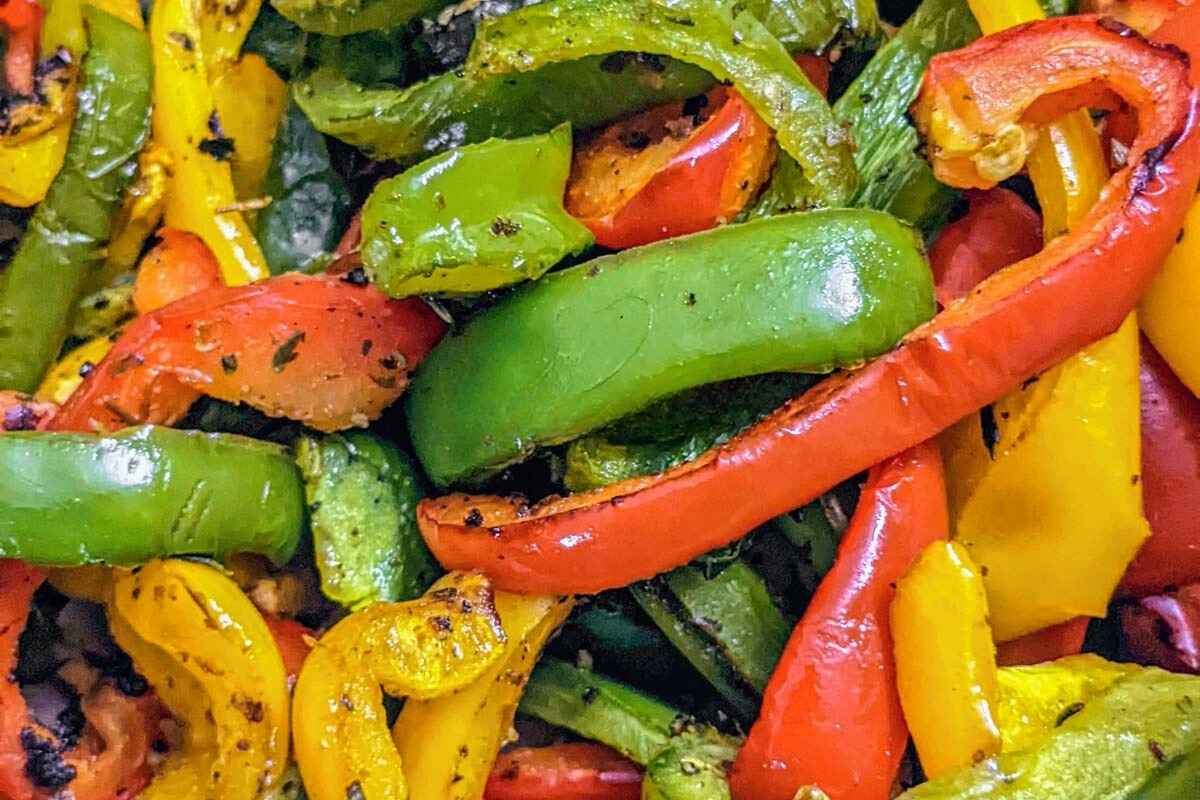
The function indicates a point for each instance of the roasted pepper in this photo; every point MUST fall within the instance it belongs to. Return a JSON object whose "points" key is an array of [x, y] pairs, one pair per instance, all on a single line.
{"points": [[343, 17], [649, 177], [945, 659], [66, 375], [200, 196], [809, 292], [66, 237], [18, 582], [362, 494], [835, 687], [1113, 747], [449, 744], [1170, 480], [573, 771], [437, 229], [421, 649], [179, 265], [321, 350], [736, 48], [78, 498], [250, 100], [208, 653], [1018, 323], [1164, 629]]}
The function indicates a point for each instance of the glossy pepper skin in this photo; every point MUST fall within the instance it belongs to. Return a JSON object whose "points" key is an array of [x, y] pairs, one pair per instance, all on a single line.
{"points": [[574, 771], [800, 292], [76, 498], [206, 650], [1170, 480], [66, 237], [1018, 323], [424, 648], [638, 182], [320, 350], [835, 687], [475, 218], [18, 582]]}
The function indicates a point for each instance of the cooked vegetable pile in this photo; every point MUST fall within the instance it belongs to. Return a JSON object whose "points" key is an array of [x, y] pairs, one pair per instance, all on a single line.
{"points": [[600, 400]]}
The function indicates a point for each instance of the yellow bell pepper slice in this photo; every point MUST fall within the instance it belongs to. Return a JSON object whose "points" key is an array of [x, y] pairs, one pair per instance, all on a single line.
{"points": [[945, 659], [449, 744], [1033, 701], [1168, 311], [423, 648], [209, 655], [1057, 516], [201, 197], [64, 377], [141, 212], [251, 100]]}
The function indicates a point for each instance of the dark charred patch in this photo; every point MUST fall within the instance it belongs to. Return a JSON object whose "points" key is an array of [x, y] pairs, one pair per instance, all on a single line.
{"points": [[1119, 28], [229, 363], [1157, 751], [441, 624], [44, 763], [127, 363], [356, 277], [634, 140], [355, 792], [20, 417], [182, 39], [251, 709], [502, 226], [1147, 170], [991, 431], [286, 353], [1068, 712], [474, 518]]}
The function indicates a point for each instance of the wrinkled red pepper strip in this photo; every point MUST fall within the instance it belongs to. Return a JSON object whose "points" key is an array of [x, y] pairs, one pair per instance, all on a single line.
{"points": [[834, 690], [22, 19], [18, 582], [1048, 644], [1019, 322]]}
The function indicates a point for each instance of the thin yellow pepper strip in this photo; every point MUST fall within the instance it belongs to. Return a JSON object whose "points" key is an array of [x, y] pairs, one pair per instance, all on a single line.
{"points": [[448, 745], [201, 198], [945, 659], [65, 376], [141, 212], [209, 655], [424, 648], [251, 100], [1168, 311], [1057, 515], [1032, 701]]}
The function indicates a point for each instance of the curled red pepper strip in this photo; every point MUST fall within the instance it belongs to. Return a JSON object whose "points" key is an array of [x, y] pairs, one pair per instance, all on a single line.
{"points": [[321, 350], [22, 19], [18, 582], [1019, 322], [834, 690]]}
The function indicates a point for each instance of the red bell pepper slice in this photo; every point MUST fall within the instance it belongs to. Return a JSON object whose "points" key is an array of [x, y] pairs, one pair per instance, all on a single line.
{"points": [[1164, 630], [179, 265], [1048, 644], [321, 350], [998, 230], [295, 642], [834, 690], [1170, 481], [576, 771], [23, 21], [18, 582], [636, 183], [1019, 322]]}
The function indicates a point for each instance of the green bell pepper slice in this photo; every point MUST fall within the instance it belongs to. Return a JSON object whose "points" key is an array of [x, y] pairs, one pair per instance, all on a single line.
{"points": [[588, 345], [362, 494], [474, 218], [1144, 729], [64, 243], [344, 17], [734, 48], [68, 499]]}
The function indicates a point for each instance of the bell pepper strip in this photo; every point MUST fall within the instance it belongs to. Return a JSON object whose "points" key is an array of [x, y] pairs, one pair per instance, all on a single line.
{"points": [[112, 760], [589, 542], [75, 498], [18, 582], [65, 376], [667, 173], [735, 48], [1118, 742], [436, 230], [999, 229], [945, 659], [835, 687], [22, 19], [20, 412], [200, 197], [1164, 310], [295, 641], [209, 655], [893, 175], [344, 17], [67, 234], [1032, 701], [250, 100], [676, 316], [1048, 644], [424, 648], [449, 744], [573, 771], [1055, 510], [1164, 630], [320, 350], [684, 760], [179, 265], [1170, 481], [141, 212], [362, 494]]}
